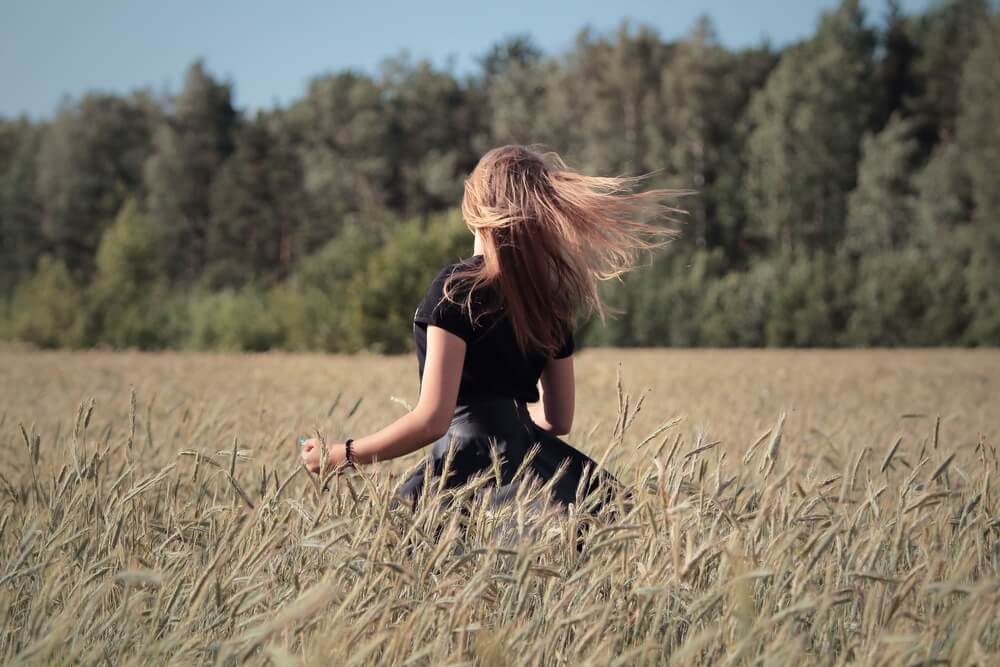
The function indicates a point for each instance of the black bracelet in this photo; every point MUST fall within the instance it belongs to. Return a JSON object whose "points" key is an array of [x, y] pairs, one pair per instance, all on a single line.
{"points": [[349, 452]]}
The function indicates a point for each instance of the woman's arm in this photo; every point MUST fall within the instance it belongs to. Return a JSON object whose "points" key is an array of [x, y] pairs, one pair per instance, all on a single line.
{"points": [[554, 411], [427, 422]]}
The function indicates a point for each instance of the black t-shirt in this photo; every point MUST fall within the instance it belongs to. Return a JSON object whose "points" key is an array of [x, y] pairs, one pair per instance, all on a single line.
{"points": [[494, 365]]}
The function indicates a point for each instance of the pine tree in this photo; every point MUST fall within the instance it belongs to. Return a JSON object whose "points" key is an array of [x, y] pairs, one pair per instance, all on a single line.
{"points": [[979, 141], [979, 126], [340, 129], [880, 210], [256, 208], [90, 160], [516, 50], [190, 146], [128, 296], [608, 99], [692, 88], [47, 307], [807, 123], [20, 208], [895, 69], [944, 196], [516, 97], [429, 137], [944, 37]]}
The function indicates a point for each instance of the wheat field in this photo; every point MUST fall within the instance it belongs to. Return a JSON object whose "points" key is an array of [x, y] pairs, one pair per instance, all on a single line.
{"points": [[821, 507]]}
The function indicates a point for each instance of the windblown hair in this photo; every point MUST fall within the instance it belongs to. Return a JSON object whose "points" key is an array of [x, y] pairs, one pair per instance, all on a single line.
{"points": [[549, 234]]}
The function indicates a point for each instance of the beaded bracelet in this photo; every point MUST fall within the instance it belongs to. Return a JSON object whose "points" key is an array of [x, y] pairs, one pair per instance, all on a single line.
{"points": [[349, 452]]}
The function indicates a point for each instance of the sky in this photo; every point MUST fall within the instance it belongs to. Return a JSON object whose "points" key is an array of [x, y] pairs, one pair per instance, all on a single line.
{"points": [[52, 51]]}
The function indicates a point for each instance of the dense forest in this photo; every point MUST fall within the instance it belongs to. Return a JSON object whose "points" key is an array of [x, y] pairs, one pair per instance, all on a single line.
{"points": [[848, 192]]}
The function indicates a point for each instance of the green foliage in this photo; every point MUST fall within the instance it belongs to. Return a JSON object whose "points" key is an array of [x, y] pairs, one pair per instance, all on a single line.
{"points": [[316, 307], [984, 296], [257, 209], [90, 161], [188, 151], [358, 292], [381, 299], [880, 210], [808, 120], [944, 196], [234, 320], [48, 308], [128, 258], [659, 304], [979, 124], [703, 86], [805, 303], [943, 37], [130, 303], [20, 208], [891, 300], [950, 311], [735, 308]]}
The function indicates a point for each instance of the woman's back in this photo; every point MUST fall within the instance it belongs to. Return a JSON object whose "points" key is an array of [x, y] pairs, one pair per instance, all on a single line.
{"points": [[494, 367], [492, 430]]}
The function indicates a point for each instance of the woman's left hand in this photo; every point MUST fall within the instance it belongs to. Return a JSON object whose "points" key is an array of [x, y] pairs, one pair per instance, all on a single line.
{"points": [[311, 452]]}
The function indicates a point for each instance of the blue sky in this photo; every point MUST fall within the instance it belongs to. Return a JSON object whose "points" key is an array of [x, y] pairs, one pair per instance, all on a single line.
{"points": [[50, 49]]}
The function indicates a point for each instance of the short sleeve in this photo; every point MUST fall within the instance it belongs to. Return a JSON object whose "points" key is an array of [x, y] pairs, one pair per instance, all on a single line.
{"points": [[568, 346], [441, 312]]}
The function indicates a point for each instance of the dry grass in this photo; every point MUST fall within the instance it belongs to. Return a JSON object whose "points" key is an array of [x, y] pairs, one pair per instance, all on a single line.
{"points": [[816, 507]]}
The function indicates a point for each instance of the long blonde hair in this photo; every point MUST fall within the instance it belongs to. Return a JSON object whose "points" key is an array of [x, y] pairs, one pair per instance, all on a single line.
{"points": [[548, 234]]}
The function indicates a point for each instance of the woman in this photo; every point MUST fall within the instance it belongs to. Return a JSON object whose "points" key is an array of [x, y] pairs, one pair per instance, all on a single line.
{"points": [[495, 332]]}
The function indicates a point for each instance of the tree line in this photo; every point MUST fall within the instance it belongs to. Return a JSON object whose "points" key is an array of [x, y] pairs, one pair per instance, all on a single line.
{"points": [[847, 192]]}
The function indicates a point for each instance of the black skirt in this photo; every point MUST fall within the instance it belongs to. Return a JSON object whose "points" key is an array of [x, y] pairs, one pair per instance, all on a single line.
{"points": [[506, 425]]}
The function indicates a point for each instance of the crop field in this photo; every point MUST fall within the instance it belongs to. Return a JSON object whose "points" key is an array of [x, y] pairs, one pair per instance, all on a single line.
{"points": [[788, 507]]}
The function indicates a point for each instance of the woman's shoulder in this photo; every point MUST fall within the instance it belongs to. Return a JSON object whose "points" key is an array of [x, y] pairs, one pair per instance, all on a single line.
{"points": [[450, 269], [446, 308], [462, 293], [472, 262], [436, 290]]}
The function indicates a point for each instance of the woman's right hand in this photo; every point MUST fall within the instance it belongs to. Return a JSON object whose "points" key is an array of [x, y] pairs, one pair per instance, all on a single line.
{"points": [[310, 454]]}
